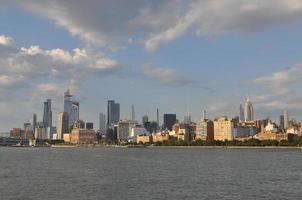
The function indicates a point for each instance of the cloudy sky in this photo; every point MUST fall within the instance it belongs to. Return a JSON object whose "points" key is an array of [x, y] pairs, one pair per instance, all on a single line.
{"points": [[181, 56]]}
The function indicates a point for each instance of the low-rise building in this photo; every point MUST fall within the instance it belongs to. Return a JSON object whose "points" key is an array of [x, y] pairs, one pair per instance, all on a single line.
{"points": [[82, 136], [160, 137], [143, 139]]}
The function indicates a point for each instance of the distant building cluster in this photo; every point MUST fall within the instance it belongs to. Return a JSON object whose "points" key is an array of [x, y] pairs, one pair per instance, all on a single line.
{"points": [[113, 130]]}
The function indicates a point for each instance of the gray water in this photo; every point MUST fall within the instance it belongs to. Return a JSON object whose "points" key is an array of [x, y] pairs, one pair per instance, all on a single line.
{"points": [[150, 173]]}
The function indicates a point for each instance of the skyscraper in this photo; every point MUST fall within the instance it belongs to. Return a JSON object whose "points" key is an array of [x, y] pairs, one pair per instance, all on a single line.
{"points": [[248, 110], [282, 121], [132, 113], [62, 125], [286, 120], [102, 123], [34, 120], [241, 113], [113, 112], [71, 107], [47, 114], [157, 116], [169, 121]]}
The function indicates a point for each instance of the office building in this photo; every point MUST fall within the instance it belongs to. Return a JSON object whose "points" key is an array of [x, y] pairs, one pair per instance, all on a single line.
{"points": [[204, 130], [113, 112], [281, 121], [34, 120], [248, 110], [102, 123], [72, 108], [286, 120], [47, 114], [62, 125], [169, 121], [124, 128]]}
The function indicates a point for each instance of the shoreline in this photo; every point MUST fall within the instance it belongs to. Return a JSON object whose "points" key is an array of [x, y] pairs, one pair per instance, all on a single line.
{"points": [[181, 147]]}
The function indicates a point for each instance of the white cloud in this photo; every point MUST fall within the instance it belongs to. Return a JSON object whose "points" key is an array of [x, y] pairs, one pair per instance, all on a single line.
{"points": [[22, 66], [166, 76], [6, 41], [112, 22]]}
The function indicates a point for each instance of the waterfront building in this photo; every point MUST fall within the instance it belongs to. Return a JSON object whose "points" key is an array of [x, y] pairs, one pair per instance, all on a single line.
{"points": [[248, 110], [41, 132], [169, 121], [102, 123], [62, 125], [135, 131], [124, 128], [47, 114], [143, 139], [204, 130], [113, 112], [160, 137], [82, 136], [223, 128], [72, 108], [16, 133], [286, 120], [182, 131]]}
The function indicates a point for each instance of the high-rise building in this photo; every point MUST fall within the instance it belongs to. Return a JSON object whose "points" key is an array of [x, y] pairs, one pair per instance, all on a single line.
{"points": [[132, 113], [124, 128], [241, 113], [71, 107], [205, 130], [34, 120], [47, 114], [248, 110], [62, 125], [286, 120], [157, 116], [102, 123], [113, 112], [281, 122], [169, 121], [223, 129]]}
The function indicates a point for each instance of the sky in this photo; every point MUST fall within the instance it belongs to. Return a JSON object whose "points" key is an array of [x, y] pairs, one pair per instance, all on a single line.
{"points": [[181, 56]]}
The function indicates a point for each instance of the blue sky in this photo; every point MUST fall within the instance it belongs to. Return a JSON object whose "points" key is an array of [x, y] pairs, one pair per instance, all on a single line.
{"points": [[180, 58]]}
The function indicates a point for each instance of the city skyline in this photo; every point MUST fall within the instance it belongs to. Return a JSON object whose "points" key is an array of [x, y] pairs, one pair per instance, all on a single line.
{"points": [[180, 61]]}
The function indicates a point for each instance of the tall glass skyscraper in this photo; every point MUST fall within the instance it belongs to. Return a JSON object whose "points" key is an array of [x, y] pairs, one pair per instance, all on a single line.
{"points": [[113, 112], [71, 107], [47, 114]]}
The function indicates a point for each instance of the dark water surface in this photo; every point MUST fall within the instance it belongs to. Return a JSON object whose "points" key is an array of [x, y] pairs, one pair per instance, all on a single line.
{"points": [[150, 173]]}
